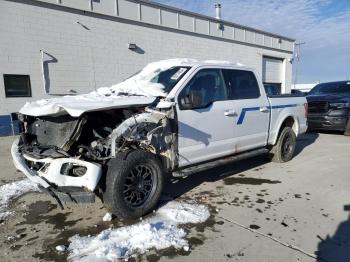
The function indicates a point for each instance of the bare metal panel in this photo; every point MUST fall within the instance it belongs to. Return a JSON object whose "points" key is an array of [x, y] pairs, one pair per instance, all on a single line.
{"points": [[284, 44], [249, 36], [275, 42], [149, 14], [214, 30], [239, 34], [104, 7], [202, 26], [53, 1], [267, 41], [153, 13], [128, 9], [259, 39], [169, 19], [186, 22], [228, 32], [78, 4]]}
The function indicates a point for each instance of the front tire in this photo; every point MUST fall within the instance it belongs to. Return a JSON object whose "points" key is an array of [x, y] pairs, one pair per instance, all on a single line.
{"points": [[134, 184], [284, 149]]}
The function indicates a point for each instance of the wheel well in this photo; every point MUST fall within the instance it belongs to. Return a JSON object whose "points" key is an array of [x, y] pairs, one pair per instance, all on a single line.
{"points": [[288, 122]]}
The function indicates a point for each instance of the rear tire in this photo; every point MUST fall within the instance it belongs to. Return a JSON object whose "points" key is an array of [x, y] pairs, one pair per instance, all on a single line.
{"points": [[134, 183], [284, 149]]}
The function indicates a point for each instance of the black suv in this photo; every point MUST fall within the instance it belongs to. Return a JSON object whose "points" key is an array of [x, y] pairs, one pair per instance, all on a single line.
{"points": [[329, 106]]}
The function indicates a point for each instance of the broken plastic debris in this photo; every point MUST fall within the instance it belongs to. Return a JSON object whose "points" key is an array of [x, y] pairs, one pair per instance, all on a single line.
{"points": [[61, 248], [107, 217], [186, 248]]}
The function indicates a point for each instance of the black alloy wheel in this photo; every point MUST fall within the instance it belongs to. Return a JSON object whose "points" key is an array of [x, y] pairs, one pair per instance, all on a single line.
{"points": [[134, 183], [138, 185]]}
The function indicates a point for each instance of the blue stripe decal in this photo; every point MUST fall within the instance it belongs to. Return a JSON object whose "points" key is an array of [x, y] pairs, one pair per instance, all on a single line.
{"points": [[247, 109], [283, 106], [242, 115]]}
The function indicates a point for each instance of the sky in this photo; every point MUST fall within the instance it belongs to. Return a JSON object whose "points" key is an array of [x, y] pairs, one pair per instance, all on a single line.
{"points": [[324, 26]]}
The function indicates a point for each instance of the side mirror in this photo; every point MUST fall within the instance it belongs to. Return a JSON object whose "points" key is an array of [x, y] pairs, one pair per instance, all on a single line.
{"points": [[192, 101]]}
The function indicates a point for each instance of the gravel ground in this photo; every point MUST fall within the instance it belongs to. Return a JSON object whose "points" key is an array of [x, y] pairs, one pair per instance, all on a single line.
{"points": [[260, 211]]}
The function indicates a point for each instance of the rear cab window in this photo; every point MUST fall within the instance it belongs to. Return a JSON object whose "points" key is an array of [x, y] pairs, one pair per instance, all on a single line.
{"points": [[241, 84]]}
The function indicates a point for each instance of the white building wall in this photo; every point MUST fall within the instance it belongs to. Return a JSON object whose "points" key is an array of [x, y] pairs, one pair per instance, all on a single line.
{"points": [[89, 50]]}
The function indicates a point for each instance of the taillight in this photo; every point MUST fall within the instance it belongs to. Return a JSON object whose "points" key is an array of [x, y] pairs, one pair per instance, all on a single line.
{"points": [[306, 107]]}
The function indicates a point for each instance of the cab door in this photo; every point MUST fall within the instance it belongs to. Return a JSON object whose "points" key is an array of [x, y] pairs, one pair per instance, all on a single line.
{"points": [[253, 110], [205, 127]]}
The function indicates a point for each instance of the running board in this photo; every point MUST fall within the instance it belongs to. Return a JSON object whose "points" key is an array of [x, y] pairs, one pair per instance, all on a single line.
{"points": [[218, 162]]}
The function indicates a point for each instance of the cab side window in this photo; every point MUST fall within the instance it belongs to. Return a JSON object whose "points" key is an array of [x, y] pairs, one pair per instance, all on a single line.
{"points": [[241, 84], [206, 87]]}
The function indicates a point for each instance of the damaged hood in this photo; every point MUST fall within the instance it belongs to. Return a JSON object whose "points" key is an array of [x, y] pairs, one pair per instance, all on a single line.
{"points": [[138, 90], [77, 105]]}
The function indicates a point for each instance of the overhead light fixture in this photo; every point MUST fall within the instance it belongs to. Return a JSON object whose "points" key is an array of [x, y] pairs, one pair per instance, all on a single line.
{"points": [[132, 46]]}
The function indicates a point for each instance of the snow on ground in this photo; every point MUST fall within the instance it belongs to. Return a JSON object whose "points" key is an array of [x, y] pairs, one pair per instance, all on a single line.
{"points": [[11, 191], [160, 231]]}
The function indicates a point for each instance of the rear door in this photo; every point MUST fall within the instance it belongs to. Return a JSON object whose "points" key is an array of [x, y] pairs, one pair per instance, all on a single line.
{"points": [[205, 132], [252, 107]]}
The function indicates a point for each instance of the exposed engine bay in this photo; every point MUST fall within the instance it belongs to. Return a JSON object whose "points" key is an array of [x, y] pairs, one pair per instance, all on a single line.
{"points": [[73, 151]]}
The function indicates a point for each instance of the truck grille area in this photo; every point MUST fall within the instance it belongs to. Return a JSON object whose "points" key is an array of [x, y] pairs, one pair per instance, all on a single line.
{"points": [[53, 131], [318, 107]]}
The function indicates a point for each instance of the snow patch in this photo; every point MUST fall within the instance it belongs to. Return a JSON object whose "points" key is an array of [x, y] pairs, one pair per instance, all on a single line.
{"points": [[107, 217], [61, 248], [11, 191], [160, 231]]}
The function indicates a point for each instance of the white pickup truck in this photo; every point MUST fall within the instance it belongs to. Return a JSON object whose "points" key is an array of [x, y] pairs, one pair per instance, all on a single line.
{"points": [[177, 116]]}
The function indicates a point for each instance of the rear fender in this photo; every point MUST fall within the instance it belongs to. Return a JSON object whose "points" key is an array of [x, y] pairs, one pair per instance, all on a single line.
{"points": [[275, 129]]}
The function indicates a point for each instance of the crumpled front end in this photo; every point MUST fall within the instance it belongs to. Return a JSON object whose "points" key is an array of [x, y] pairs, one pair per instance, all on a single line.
{"points": [[66, 179], [60, 172], [64, 152], [48, 154]]}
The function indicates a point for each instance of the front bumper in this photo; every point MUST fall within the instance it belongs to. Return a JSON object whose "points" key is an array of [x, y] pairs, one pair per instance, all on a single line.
{"points": [[325, 122], [51, 176]]}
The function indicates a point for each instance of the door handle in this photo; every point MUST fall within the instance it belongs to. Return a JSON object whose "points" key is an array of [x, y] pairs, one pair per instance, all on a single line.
{"points": [[264, 109], [230, 112]]}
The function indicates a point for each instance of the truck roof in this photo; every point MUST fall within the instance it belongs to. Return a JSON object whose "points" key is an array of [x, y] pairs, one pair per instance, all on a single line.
{"points": [[195, 62]]}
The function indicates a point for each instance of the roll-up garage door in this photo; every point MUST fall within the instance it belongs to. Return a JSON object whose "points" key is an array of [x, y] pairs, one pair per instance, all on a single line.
{"points": [[272, 70]]}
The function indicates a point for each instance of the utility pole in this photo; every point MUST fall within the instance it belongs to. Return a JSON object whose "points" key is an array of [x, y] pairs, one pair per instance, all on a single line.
{"points": [[297, 57]]}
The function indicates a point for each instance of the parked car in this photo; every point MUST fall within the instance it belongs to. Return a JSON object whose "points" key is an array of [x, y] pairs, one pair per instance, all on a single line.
{"points": [[329, 107], [175, 116], [271, 90]]}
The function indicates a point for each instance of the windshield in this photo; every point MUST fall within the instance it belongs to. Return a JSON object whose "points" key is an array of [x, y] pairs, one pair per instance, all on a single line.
{"points": [[331, 88], [156, 80], [170, 77]]}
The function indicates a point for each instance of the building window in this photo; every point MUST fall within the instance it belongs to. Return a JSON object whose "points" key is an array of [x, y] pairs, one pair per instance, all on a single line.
{"points": [[17, 85]]}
